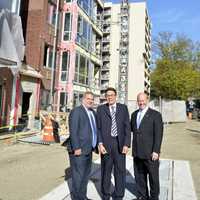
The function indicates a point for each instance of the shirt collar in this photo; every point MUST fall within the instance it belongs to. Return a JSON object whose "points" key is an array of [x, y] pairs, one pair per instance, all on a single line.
{"points": [[144, 110], [87, 109], [114, 105]]}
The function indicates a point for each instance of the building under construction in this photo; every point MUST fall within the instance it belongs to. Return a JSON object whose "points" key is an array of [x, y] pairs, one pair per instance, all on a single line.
{"points": [[72, 46], [126, 47]]}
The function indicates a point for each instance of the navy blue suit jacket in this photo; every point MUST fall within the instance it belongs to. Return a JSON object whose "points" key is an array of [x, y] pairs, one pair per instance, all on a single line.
{"points": [[104, 123], [80, 130], [148, 137]]}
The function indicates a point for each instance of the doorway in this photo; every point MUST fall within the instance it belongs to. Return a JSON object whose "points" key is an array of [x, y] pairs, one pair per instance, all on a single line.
{"points": [[25, 108]]}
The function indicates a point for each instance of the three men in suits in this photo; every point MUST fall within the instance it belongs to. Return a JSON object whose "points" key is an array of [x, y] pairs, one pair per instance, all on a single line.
{"points": [[147, 128], [83, 137], [113, 126]]}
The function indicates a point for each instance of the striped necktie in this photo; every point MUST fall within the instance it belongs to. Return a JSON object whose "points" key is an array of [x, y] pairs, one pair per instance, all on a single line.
{"points": [[114, 124]]}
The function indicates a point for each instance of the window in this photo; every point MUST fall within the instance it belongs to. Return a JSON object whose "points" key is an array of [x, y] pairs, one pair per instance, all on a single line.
{"points": [[76, 68], [84, 33], [81, 69], [67, 26], [48, 55], [45, 99], [63, 102], [86, 5], [65, 66], [1, 97], [77, 98], [51, 13]]}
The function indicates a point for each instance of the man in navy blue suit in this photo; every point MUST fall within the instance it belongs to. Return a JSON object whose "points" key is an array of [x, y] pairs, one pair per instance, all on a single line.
{"points": [[114, 137], [147, 128], [83, 137]]}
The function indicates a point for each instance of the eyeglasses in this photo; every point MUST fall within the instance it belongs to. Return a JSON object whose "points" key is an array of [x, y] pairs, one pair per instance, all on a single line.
{"points": [[110, 95]]}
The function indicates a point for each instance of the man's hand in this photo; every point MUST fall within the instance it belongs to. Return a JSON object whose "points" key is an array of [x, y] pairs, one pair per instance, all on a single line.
{"points": [[102, 149], [154, 156], [77, 152], [125, 150]]}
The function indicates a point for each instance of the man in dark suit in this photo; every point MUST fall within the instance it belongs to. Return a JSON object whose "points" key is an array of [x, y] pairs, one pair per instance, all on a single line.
{"points": [[147, 128], [114, 137], [83, 137]]}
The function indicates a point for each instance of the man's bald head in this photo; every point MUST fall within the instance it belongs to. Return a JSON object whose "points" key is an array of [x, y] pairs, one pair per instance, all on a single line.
{"points": [[142, 100]]}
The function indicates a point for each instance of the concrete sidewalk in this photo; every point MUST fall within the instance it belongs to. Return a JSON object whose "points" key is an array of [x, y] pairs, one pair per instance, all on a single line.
{"points": [[175, 180]]}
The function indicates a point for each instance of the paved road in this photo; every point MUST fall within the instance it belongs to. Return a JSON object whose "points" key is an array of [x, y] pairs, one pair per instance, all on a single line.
{"points": [[182, 142], [29, 171]]}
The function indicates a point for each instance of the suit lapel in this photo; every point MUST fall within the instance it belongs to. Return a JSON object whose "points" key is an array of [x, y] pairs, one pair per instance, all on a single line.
{"points": [[107, 110], [146, 116], [85, 112], [135, 118], [117, 115]]}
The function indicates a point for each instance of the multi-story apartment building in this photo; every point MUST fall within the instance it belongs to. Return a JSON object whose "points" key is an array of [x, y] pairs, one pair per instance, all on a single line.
{"points": [[126, 50], [79, 52], [72, 50], [31, 84], [88, 44]]}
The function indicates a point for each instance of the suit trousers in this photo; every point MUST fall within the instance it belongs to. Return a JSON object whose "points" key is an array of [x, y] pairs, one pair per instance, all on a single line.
{"points": [[114, 159], [145, 169], [80, 170]]}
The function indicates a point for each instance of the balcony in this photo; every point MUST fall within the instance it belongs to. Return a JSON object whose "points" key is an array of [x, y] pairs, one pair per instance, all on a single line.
{"points": [[95, 83], [106, 30], [106, 58], [104, 86], [106, 22], [107, 13], [106, 49], [105, 77], [106, 40], [105, 67]]}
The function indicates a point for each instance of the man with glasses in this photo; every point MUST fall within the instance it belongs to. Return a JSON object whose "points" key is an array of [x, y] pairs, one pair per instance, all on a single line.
{"points": [[114, 135]]}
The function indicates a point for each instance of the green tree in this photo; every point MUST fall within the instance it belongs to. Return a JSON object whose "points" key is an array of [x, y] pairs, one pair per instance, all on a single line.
{"points": [[177, 69]]}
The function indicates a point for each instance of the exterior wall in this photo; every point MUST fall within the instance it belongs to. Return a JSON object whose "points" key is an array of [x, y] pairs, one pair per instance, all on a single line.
{"points": [[40, 32], [73, 46], [6, 80], [139, 49], [136, 50], [114, 51]]}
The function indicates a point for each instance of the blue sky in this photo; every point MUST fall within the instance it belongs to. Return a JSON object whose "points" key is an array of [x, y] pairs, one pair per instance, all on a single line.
{"points": [[177, 16]]}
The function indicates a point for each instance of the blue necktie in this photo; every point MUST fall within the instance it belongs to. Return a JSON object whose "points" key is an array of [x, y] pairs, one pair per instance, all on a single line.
{"points": [[94, 129], [139, 119]]}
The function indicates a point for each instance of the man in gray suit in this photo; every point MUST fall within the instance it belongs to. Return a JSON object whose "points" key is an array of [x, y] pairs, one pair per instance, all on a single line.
{"points": [[83, 137], [147, 128]]}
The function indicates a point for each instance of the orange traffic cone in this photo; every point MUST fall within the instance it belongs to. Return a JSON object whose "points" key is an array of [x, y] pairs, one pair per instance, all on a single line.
{"points": [[48, 130]]}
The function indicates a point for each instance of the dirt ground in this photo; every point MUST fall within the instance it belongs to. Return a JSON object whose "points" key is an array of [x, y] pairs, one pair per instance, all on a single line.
{"points": [[28, 171]]}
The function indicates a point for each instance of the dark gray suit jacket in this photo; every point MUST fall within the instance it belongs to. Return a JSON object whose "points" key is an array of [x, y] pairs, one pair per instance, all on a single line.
{"points": [[148, 137], [80, 130], [104, 123]]}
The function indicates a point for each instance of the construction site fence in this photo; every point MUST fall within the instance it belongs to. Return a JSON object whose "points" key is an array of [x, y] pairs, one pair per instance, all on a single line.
{"points": [[171, 110], [22, 126]]}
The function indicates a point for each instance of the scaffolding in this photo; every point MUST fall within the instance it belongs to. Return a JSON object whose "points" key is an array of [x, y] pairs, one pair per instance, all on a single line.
{"points": [[123, 52]]}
